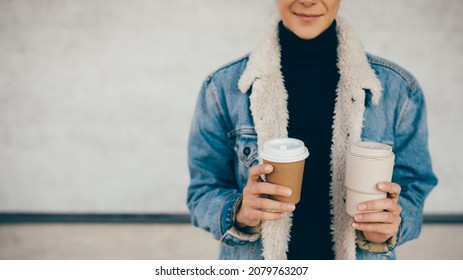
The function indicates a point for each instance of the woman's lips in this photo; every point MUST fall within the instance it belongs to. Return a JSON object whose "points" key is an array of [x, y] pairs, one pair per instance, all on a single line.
{"points": [[307, 17]]}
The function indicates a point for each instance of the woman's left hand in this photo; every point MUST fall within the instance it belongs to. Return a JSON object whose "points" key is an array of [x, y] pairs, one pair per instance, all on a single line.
{"points": [[380, 226]]}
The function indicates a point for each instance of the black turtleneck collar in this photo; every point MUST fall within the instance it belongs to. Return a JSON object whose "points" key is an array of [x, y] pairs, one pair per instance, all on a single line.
{"points": [[310, 76], [322, 49]]}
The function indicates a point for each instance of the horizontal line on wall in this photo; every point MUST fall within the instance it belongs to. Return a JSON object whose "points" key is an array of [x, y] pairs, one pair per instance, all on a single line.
{"points": [[443, 219], [94, 218], [12, 218]]}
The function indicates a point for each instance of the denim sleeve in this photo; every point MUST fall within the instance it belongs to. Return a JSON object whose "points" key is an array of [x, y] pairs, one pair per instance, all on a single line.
{"points": [[213, 194], [413, 168]]}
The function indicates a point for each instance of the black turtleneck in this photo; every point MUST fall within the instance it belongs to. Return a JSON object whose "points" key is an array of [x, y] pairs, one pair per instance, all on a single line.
{"points": [[311, 77]]}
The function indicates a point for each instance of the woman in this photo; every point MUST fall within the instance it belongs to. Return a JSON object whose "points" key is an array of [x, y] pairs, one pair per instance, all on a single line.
{"points": [[309, 79]]}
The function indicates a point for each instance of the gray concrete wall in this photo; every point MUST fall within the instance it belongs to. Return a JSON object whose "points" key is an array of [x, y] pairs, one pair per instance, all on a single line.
{"points": [[96, 96]]}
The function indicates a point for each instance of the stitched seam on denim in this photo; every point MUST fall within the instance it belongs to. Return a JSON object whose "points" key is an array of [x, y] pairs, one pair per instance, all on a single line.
{"points": [[402, 113], [399, 233], [236, 204], [241, 131], [227, 65], [215, 99], [220, 214], [380, 62], [242, 240]]}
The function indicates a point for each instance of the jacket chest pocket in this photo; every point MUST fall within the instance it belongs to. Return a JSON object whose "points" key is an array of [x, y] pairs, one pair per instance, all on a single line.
{"points": [[246, 149], [246, 152]]}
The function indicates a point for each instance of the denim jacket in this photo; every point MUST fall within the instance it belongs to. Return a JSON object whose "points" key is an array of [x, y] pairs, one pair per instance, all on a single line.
{"points": [[227, 129]]}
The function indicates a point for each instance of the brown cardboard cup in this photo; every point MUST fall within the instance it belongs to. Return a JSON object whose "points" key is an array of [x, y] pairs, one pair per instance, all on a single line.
{"points": [[287, 156], [289, 175]]}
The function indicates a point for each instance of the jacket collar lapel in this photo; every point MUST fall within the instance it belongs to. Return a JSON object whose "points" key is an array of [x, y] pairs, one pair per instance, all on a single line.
{"points": [[264, 61]]}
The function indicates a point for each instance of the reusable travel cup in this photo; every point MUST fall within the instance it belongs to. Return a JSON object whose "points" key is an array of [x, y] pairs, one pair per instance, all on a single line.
{"points": [[367, 164]]}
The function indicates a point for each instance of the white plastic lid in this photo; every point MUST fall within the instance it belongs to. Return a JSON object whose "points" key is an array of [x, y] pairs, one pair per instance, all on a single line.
{"points": [[371, 149], [284, 150]]}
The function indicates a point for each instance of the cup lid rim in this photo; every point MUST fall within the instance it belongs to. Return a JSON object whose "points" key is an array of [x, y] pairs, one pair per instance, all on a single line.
{"points": [[297, 151], [371, 149]]}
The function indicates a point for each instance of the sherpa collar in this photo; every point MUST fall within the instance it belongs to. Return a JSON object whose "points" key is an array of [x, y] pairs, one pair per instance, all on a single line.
{"points": [[268, 105], [264, 61]]}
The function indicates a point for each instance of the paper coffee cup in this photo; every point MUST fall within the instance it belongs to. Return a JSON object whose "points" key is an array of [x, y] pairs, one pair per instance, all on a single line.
{"points": [[367, 164], [287, 156]]}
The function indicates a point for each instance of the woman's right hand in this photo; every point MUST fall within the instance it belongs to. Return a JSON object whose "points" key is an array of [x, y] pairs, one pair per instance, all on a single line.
{"points": [[256, 207]]}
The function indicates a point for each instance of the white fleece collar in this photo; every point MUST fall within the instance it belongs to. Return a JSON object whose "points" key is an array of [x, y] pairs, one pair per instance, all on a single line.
{"points": [[264, 61]]}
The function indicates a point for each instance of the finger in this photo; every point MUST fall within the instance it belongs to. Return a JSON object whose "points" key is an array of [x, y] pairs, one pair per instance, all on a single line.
{"points": [[256, 171], [271, 205], [380, 205], [392, 189], [269, 189], [388, 229], [377, 217], [261, 215]]}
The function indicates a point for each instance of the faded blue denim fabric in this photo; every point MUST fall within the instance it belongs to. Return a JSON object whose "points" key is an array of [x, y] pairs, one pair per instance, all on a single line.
{"points": [[365, 255], [223, 146]]}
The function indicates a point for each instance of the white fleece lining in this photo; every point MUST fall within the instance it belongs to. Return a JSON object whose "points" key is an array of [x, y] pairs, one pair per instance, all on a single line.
{"points": [[268, 105]]}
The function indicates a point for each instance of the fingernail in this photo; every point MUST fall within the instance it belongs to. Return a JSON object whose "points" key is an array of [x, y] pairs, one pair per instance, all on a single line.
{"points": [[381, 186], [355, 225], [362, 206], [287, 191], [268, 167], [358, 217], [290, 207]]}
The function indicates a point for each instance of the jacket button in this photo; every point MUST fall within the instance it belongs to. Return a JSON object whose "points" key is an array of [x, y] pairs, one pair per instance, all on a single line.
{"points": [[246, 151]]}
